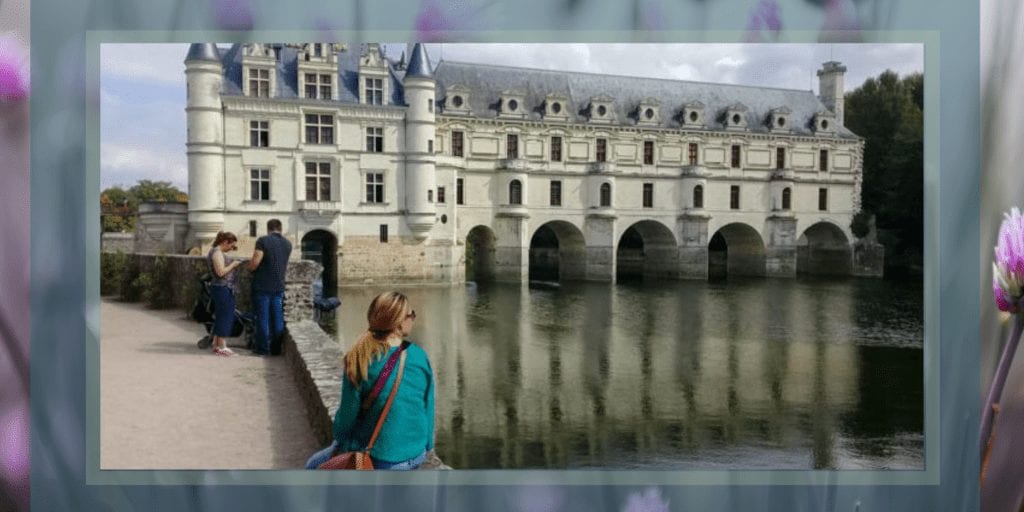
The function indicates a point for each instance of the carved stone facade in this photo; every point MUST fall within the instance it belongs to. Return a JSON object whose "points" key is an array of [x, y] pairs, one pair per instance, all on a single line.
{"points": [[402, 173]]}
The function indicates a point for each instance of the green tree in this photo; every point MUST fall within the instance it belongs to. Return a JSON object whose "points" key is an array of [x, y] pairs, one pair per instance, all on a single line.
{"points": [[887, 112], [119, 206]]}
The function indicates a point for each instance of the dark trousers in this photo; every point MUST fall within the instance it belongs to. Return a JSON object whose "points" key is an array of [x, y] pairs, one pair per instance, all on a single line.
{"points": [[268, 308]]}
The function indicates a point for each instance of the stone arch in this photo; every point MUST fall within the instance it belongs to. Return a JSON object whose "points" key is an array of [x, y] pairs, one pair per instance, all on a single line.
{"points": [[824, 249], [647, 249], [736, 249], [321, 246], [558, 252], [480, 249]]}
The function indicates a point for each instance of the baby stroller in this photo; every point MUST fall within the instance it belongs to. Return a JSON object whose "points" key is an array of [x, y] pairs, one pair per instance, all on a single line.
{"points": [[202, 312]]}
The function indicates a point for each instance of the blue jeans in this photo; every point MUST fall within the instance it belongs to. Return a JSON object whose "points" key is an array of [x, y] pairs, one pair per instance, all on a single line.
{"points": [[323, 455], [269, 311]]}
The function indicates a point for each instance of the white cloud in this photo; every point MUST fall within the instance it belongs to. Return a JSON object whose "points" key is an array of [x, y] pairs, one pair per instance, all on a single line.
{"points": [[150, 62], [125, 164]]}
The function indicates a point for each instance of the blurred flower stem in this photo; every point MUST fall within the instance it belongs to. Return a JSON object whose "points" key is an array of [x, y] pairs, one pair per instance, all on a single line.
{"points": [[998, 382]]}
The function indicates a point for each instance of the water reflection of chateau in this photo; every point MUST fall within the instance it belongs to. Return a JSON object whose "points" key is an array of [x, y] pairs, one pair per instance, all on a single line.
{"points": [[550, 393], [401, 171]]}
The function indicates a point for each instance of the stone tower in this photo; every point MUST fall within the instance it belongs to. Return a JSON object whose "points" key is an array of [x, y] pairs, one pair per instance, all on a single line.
{"points": [[205, 142], [420, 171], [830, 88]]}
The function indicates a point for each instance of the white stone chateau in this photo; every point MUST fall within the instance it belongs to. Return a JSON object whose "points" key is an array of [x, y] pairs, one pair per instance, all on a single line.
{"points": [[394, 170]]}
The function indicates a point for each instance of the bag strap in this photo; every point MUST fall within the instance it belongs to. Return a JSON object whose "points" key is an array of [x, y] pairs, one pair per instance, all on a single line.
{"points": [[391, 397], [382, 378]]}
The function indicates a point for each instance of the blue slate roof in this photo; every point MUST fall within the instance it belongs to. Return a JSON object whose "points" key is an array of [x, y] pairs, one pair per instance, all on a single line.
{"points": [[487, 82], [287, 79], [203, 51], [419, 63]]}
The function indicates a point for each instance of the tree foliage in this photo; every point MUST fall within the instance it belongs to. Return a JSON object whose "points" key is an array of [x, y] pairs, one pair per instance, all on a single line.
{"points": [[887, 112], [119, 206]]}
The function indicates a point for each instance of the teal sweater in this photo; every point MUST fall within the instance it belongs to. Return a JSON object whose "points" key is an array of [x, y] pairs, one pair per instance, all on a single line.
{"points": [[409, 427]]}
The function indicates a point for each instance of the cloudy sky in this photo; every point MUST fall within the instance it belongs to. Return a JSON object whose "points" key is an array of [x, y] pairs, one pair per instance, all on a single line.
{"points": [[142, 86]]}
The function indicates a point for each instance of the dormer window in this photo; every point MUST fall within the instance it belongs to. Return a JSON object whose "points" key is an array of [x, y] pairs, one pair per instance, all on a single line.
{"points": [[373, 76], [778, 119], [693, 114], [647, 113], [824, 122], [554, 107], [258, 64], [600, 110], [736, 117], [457, 100], [511, 105]]}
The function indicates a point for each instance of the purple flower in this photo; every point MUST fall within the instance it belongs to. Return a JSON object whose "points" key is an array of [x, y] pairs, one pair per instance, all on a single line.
{"points": [[647, 501], [1008, 268], [840, 15], [764, 16], [14, 77], [233, 14], [436, 20]]}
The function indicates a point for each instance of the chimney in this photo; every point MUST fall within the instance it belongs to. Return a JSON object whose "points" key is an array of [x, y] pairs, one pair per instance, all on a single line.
{"points": [[830, 88]]}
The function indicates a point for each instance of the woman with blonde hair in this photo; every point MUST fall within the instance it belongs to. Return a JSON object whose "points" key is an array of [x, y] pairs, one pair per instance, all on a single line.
{"points": [[222, 290], [407, 433]]}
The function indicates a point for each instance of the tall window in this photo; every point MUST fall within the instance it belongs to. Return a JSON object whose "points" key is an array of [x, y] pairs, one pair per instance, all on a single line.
{"points": [[374, 92], [648, 195], [318, 86], [698, 196], [556, 149], [259, 83], [374, 187], [786, 198], [734, 197], [259, 134], [512, 146], [735, 156], [693, 153], [458, 191], [823, 199], [556, 193], [383, 233], [317, 50], [823, 160], [430, 105], [318, 181], [375, 139], [602, 150], [457, 144], [780, 158], [430, 146], [259, 184], [430, 196], [440, 195], [515, 193], [319, 129], [606, 194], [648, 152]]}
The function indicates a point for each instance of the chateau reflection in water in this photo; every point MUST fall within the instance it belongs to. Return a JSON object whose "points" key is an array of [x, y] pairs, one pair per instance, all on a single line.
{"points": [[751, 374]]}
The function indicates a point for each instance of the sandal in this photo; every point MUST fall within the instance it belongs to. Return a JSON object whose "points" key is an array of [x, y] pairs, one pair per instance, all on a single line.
{"points": [[226, 352]]}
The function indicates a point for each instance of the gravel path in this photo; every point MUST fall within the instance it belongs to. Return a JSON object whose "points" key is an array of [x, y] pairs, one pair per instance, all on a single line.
{"points": [[165, 404]]}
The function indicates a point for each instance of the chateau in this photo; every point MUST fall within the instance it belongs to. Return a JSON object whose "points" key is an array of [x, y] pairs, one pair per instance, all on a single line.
{"points": [[400, 170]]}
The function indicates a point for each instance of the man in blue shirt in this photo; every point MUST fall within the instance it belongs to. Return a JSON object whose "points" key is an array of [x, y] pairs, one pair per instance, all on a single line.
{"points": [[268, 266]]}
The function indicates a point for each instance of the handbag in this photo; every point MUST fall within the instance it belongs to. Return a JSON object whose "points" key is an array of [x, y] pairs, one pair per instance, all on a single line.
{"points": [[361, 459]]}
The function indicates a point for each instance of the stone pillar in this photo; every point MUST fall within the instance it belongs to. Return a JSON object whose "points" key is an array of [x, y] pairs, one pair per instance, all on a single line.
{"points": [[780, 247], [600, 254], [298, 290], [511, 249], [693, 246]]}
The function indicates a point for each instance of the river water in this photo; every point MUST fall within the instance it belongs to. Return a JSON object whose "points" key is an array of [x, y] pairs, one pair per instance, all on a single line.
{"points": [[744, 374]]}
